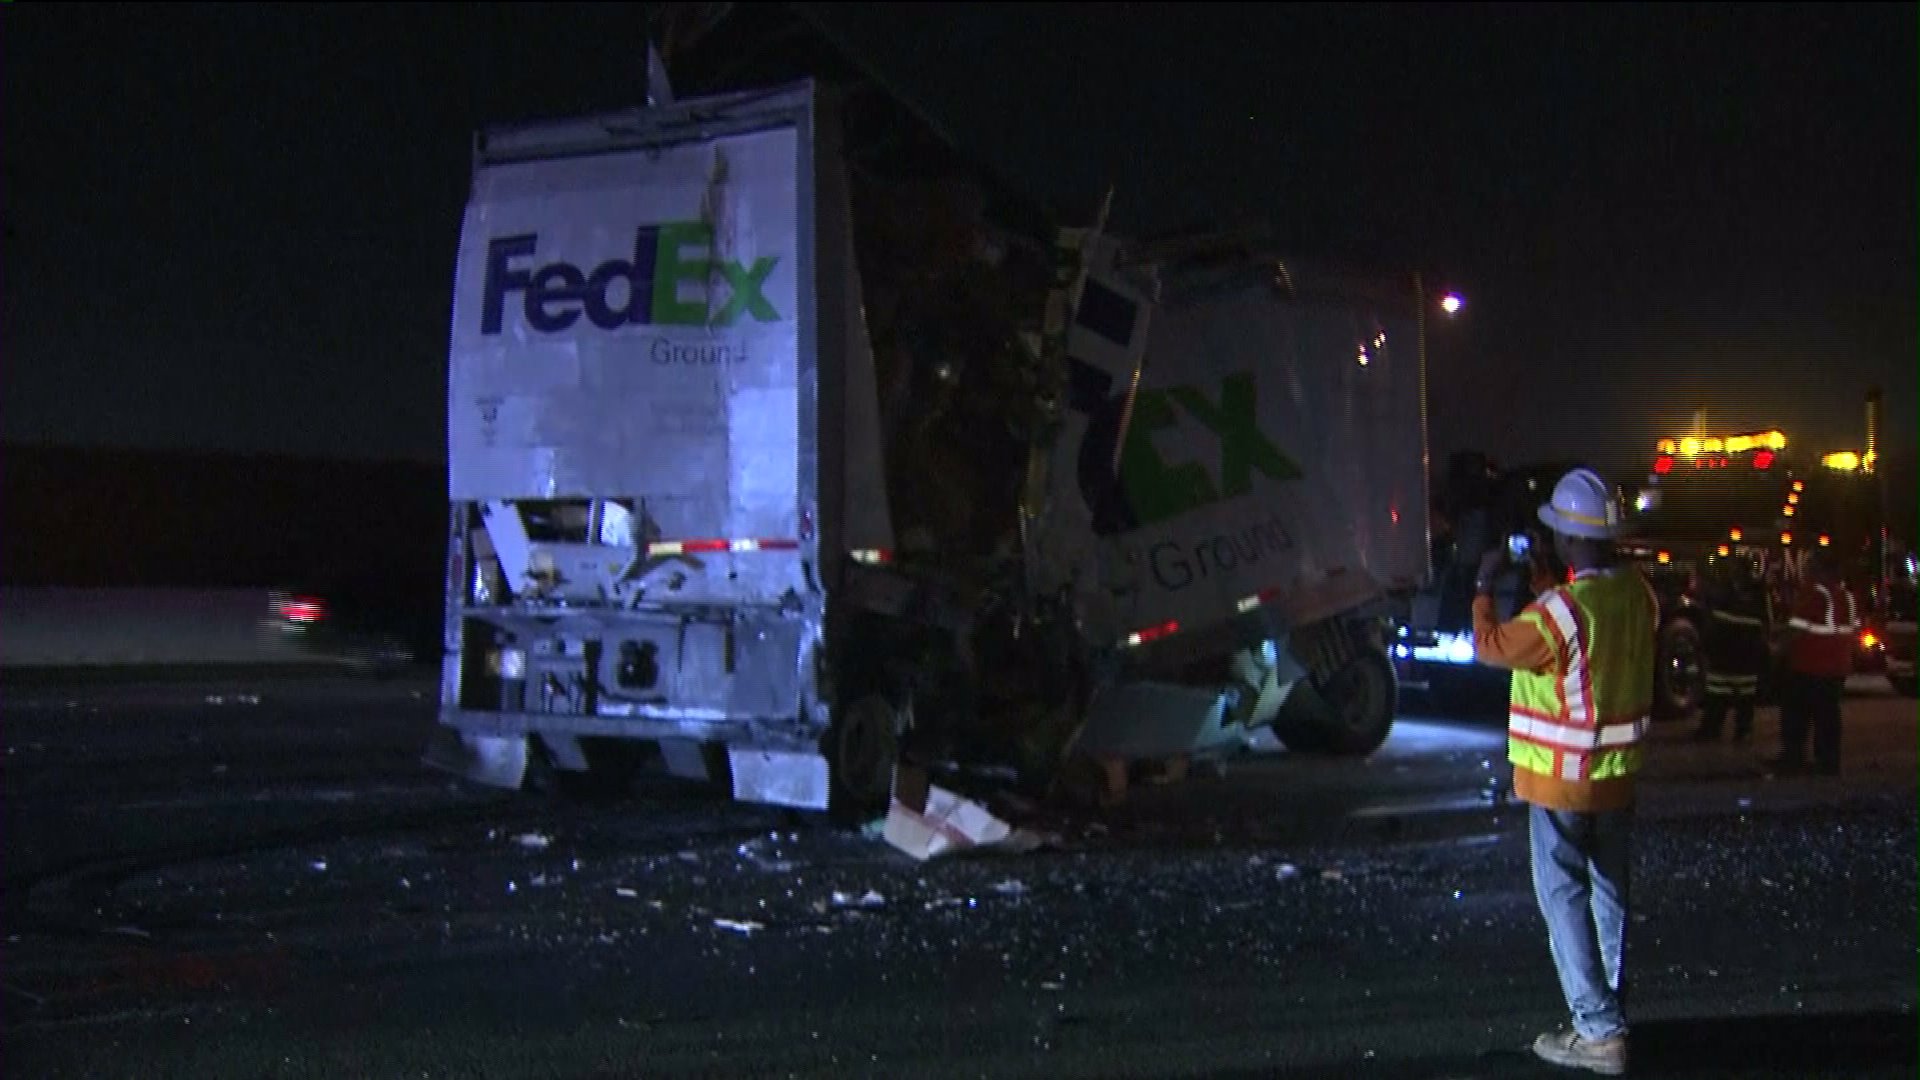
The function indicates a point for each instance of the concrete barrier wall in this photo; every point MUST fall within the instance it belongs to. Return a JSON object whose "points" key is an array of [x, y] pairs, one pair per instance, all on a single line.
{"points": [[57, 627]]}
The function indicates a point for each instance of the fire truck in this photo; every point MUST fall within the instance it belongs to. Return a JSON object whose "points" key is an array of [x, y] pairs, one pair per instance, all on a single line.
{"points": [[1704, 499], [1747, 497]]}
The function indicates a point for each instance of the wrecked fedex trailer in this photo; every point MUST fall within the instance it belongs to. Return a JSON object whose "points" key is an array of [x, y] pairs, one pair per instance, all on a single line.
{"points": [[789, 464]]}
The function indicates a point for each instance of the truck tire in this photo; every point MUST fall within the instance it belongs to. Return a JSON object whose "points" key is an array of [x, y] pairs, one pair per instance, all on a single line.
{"points": [[862, 746], [1679, 674], [1351, 716], [1364, 695]]}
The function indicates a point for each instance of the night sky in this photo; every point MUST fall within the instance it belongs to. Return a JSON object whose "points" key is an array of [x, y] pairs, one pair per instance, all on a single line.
{"points": [[235, 227]]}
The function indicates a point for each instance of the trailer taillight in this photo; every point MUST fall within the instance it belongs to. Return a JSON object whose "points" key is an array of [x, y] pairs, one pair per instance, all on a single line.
{"points": [[1151, 634], [303, 609]]}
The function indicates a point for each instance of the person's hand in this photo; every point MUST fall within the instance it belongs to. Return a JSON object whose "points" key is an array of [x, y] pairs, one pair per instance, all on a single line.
{"points": [[1490, 565]]}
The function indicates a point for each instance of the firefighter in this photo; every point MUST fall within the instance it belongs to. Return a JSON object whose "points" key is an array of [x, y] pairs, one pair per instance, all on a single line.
{"points": [[1819, 659], [1739, 613]]}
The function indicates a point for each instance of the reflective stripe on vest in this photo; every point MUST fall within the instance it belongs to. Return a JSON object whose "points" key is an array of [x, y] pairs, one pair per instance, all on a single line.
{"points": [[1830, 625], [1583, 719]]}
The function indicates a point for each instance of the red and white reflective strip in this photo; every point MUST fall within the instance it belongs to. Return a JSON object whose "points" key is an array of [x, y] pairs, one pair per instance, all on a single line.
{"points": [[1264, 596], [666, 548], [1574, 688], [871, 556], [1832, 626], [1151, 633]]}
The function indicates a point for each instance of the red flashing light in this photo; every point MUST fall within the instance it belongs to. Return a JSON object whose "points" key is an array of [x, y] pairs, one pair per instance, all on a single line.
{"points": [[1763, 460], [1663, 464]]}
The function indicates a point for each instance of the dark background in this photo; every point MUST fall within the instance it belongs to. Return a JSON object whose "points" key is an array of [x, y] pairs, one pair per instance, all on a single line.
{"points": [[231, 230]]}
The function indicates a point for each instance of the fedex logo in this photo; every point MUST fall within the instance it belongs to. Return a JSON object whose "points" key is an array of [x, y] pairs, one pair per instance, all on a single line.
{"points": [[665, 256]]}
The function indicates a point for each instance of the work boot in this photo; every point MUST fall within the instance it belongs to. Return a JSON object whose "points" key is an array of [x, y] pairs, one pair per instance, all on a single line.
{"points": [[1608, 1057]]}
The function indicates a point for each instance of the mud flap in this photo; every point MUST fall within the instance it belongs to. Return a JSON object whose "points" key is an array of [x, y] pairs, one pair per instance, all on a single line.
{"points": [[795, 778], [494, 760]]}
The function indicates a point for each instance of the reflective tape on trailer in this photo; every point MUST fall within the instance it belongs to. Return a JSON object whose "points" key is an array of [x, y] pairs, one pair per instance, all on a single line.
{"points": [[1264, 596], [667, 548]]}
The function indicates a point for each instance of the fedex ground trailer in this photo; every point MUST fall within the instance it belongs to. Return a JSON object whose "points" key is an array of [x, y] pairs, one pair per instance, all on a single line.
{"points": [[754, 456]]}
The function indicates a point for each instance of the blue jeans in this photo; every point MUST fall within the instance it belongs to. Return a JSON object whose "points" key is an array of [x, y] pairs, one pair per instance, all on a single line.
{"points": [[1580, 867]]}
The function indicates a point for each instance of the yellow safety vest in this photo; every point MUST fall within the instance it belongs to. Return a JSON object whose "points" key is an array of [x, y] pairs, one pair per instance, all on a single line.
{"points": [[1580, 722]]}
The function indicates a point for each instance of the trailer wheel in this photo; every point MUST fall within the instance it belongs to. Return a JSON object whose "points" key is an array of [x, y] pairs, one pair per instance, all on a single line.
{"points": [[1364, 695], [862, 745], [1351, 714]]}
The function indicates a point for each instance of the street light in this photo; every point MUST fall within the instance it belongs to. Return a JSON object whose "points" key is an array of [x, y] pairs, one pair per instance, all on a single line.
{"points": [[1452, 303]]}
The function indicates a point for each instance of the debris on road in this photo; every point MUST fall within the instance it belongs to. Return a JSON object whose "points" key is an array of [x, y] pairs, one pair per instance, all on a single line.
{"points": [[926, 820]]}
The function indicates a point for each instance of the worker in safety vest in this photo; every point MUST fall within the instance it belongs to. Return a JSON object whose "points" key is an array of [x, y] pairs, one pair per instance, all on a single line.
{"points": [[1582, 657], [1819, 659], [1739, 614]]}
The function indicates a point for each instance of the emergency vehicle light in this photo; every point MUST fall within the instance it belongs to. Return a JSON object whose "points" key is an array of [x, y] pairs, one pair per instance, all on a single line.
{"points": [[1693, 445]]}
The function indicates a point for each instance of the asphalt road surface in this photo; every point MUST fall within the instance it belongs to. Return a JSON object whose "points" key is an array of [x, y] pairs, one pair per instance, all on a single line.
{"points": [[261, 881]]}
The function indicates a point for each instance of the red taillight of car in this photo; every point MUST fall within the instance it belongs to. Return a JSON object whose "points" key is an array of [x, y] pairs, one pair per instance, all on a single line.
{"points": [[303, 609]]}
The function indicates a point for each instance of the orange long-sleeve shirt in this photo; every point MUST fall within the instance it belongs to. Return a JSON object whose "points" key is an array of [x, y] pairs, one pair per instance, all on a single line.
{"points": [[1516, 645]]}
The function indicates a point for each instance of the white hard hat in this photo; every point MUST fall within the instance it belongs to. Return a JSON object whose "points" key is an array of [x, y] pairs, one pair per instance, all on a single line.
{"points": [[1583, 505]]}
